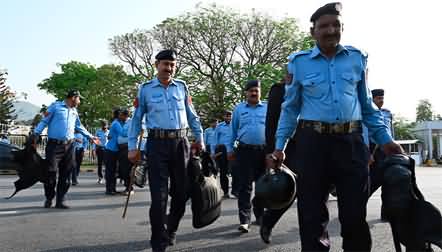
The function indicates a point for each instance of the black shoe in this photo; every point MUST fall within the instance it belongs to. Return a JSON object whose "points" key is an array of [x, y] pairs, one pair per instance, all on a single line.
{"points": [[244, 228], [172, 239], [266, 234], [61, 206], [258, 221], [48, 204], [110, 193], [75, 183]]}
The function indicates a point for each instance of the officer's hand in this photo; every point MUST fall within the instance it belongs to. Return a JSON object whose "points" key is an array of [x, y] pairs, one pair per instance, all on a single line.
{"points": [[133, 156], [95, 140], [370, 160], [280, 156], [271, 162], [392, 148], [199, 146], [34, 139], [231, 156]]}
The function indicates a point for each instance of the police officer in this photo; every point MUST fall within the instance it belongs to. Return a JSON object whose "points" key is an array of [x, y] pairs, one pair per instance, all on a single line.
{"points": [[166, 105], [377, 155], [275, 99], [324, 107], [102, 134], [111, 153], [209, 134], [248, 129], [62, 120], [124, 165], [222, 136], [80, 144]]}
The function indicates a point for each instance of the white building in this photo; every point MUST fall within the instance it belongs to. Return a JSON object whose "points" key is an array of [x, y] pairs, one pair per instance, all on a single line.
{"points": [[430, 133]]}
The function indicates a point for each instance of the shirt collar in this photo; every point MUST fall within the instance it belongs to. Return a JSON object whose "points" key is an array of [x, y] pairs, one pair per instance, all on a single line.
{"points": [[316, 51], [158, 82], [257, 105]]}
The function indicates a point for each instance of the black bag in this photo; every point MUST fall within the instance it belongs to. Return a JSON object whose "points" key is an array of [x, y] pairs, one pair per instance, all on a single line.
{"points": [[205, 195], [414, 222]]}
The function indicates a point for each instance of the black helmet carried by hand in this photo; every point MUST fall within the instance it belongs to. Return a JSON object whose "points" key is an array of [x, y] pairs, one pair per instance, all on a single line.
{"points": [[276, 189]]}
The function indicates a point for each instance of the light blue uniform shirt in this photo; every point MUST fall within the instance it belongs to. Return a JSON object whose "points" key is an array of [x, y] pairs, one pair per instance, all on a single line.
{"points": [[164, 108], [222, 135], [114, 132], [102, 135], [388, 120], [248, 124], [329, 90], [209, 136], [122, 138], [83, 141], [62, 121]]}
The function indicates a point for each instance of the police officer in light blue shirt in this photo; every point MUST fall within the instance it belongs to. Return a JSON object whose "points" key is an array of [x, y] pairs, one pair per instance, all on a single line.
{"points": [[377, 155], [80, 145], [326, 104], [62, 120], [111, 154], [222, 137], [248, 130], [102, 135], [209, 135], [124, 166], [166, 106]]}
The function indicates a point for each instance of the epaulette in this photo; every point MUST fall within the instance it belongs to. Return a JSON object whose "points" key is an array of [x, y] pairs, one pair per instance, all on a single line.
{"points": [[180, 81], [292, 56], [354, 49], [386, 110], [146, 83]]}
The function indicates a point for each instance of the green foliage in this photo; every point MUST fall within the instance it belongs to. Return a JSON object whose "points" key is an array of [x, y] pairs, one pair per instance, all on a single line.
{"points": [[103, 88], [424, 111], [403, 130], [7, 98]]}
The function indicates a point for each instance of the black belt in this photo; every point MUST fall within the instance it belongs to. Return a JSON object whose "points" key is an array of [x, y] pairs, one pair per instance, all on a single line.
{"points": [[332, 128], [56, 141], [167, 133], [251, 146]]}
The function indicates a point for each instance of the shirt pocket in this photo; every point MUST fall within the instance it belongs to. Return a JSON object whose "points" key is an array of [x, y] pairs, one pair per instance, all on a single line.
{"points": [[179, 101], [350, 82], [314, 85], [157, 103], [244, 119]]}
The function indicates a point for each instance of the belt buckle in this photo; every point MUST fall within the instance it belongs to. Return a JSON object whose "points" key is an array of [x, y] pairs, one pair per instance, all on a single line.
{"points": [[161, 133], [172, 134], [337, 128], [318, 127]]}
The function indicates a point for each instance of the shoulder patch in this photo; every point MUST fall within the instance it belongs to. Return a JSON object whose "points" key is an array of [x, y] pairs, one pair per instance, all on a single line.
{"points": [[292, 56], [146, 83], [354, 49]]}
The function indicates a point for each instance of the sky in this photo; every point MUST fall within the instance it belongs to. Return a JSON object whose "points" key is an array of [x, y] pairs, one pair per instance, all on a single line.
{"points": [[400, 37]]}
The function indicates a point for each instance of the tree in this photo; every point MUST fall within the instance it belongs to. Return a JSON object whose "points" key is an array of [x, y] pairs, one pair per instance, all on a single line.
{"points": [[219, 50], [135, 49], [424, 111], [103, 88], [403, 130], [7, 97]]}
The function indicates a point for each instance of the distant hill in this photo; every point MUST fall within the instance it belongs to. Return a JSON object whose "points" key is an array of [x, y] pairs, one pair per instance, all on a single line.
{"points": [[25, 110]]}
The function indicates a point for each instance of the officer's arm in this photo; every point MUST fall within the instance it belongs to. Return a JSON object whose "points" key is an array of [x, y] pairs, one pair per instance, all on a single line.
{"points": [[215, 142], [275, 99], [80, 128], [193, 119], [288, 119], [234, 125], [135, 125], [48, 115], [371, 115]]}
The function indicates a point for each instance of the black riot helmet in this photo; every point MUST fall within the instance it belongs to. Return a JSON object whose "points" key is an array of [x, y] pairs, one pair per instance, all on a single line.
{"points": [[276, 189]]}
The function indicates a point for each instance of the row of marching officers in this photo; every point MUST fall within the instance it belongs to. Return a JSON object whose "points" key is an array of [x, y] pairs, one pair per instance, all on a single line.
{"points": [[326, 102], [320, 129]]}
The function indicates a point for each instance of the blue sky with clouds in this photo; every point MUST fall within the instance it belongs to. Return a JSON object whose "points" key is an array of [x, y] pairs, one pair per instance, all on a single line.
{"points": [[401, 38]]}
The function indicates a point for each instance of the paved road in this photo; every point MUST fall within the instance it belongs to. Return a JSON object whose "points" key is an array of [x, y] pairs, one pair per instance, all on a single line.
{"points": [[94, 222]]}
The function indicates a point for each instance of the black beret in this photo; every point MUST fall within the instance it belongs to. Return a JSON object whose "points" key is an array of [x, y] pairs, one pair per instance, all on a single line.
{"points": [[377, 92], [328, 9], [166, 55], [252, 83], [72, 93], [124, 111]]}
